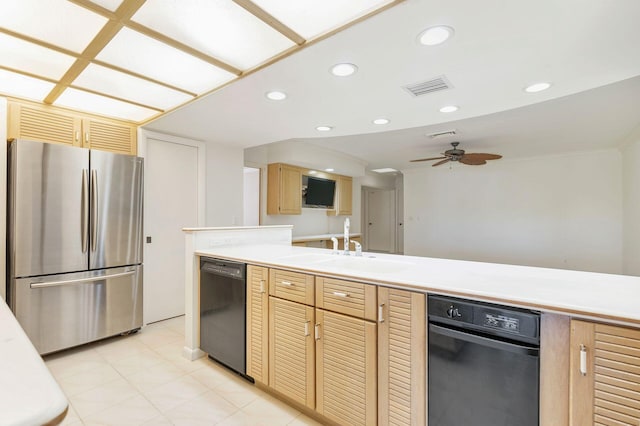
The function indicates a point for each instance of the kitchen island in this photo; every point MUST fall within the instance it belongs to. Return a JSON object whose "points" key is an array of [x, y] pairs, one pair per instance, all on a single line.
{"points": [[574, 306]]}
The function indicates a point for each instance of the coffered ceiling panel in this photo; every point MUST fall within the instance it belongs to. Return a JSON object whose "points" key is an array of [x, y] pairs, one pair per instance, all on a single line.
{"points": [[219, 28], [79, 99], [141, 54], [58, 22], [311, 18], [20, 85], [125, 86], [32, 58]]}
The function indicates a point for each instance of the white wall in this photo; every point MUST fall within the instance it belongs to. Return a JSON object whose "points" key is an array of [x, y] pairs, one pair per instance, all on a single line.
{"points": [[631, 194], [561, 211], [224, 185], [251, 196], [3, 198]]}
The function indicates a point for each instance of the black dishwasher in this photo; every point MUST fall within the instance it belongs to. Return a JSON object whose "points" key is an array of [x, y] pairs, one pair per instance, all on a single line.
{"points": [[483, 364], [223, 312]]}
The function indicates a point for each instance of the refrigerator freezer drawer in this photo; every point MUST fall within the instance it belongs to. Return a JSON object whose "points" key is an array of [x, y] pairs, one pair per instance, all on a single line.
{"points": [[61, 311]]}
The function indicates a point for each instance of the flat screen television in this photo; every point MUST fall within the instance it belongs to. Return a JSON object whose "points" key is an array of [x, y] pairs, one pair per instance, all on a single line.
{"points": [[319, 192]]}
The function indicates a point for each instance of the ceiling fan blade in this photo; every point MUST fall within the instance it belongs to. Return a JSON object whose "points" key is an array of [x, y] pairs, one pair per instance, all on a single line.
{"points": [[427, 159], [483, 156], [472, 161], [440, 162]]}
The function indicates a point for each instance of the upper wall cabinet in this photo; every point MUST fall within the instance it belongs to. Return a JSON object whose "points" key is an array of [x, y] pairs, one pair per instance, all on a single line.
{"points": [[284, 190], [56, 125]]}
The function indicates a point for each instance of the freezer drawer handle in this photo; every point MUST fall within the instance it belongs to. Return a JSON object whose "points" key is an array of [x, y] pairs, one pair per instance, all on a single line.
{"points": [[80, 280]]}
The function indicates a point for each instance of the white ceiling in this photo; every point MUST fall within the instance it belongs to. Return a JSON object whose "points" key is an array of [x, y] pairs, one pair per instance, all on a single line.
{"points": [[498, 48]]}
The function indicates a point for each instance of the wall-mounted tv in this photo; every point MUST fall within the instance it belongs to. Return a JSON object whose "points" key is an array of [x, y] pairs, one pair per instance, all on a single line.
{"points": [[317, 192]]}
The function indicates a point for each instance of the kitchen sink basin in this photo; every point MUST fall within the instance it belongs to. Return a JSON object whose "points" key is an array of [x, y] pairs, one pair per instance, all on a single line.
{"points": [[364, 264]]}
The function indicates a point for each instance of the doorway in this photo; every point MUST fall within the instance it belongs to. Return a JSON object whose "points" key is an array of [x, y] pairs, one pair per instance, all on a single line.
{"points": [[379, 219], [173, 199]]}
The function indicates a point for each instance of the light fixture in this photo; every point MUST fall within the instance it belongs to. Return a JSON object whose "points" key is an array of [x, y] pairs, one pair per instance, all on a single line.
{"points": [[449, 108], [435, 35], [384, 170], [328, 170], [275, 95], [312, 172], [380, 121], [324, 128], [343, 70], [537, 87]]}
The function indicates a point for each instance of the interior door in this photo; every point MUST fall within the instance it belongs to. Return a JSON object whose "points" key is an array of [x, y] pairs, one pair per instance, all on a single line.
{"points": [[116, 210], [381, 220], [47, 227], [171, 203]]}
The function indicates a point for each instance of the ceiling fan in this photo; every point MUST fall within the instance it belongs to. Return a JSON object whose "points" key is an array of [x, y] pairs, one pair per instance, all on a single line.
{"points": [[455, 154]]}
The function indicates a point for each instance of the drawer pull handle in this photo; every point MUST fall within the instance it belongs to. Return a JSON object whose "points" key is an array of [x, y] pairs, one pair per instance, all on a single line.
{"points": [[380, 313], [583, 360], [317, 331], [261, 286], [287, 283], [306, 328], [339, 294]]}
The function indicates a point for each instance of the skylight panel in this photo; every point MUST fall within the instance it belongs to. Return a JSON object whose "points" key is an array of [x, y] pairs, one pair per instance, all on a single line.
{"points": [[32, 58], [141, 54], [14, 84], [219, 28], [311, 18], [61, 23], [85, 101], [112, 5], [125, 86]]}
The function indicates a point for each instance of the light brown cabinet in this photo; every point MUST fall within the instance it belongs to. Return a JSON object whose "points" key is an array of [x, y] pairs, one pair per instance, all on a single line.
{"points": [[401, 357], [47, 123], [284, 189], [344, 196], [258, 323], [604, 375]]}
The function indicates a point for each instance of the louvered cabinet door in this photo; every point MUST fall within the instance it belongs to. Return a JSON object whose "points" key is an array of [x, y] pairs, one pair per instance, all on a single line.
{"points": [[401, 357], [346, 369], [109, 136], [605, 375], [292, 350], [43, 124], [258, 323]]}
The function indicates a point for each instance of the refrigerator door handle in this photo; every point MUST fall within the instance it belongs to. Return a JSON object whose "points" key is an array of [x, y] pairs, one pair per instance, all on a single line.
{"points": [[94, 209], [85, 211], [79, 280]]}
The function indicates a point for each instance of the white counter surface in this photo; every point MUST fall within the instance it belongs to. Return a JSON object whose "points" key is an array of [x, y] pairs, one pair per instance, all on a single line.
{"points": [[614, 298], [320, 237], [28, 393]]}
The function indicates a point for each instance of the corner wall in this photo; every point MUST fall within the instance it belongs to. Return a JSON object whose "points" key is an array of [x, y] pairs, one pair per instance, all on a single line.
{"points": [[631, 194], [557, 211], [224, 185]]}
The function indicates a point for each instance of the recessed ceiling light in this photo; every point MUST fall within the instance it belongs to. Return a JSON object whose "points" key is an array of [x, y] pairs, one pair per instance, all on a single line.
{"points": [[380, 121], [276, 95], [323, 128], [384, 170], [343, 70], [537, 87], [449, 108], [435, 35], [328, 170], [312, 172]]}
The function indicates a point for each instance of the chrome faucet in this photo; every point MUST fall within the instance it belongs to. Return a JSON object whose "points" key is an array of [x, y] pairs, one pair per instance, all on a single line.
{"points": [[346, 237], [358, 248], [334, 240]]}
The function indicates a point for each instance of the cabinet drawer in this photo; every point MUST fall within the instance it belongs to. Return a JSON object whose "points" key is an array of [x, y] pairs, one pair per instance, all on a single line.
{"points": [[293, 286], [347, 297]]}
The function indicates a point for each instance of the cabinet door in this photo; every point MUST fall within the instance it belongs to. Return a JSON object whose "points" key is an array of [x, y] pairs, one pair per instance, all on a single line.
{"points": [[290, 190], [401, 357], [43, 124], [346, 368], [110, 136], [291, 350], [258, 323], [605, 387], [345, 195]]}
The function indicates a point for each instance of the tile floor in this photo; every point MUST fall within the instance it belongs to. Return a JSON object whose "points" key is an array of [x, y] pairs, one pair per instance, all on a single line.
{"points": [[143, 379]]}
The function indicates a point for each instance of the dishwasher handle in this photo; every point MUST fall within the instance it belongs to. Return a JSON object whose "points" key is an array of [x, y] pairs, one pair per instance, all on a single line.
{"points": [[484, 341], [231, 270]]}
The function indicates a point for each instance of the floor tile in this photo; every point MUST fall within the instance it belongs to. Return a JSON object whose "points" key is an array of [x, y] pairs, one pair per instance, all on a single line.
{"points": [[272, 409], [102, 397], [303, 420], [175, 392], [133, 411], [207, 409], [71, 418], [83, 381], [151, 377], [238, 391], [158, 336], [130, 365]]}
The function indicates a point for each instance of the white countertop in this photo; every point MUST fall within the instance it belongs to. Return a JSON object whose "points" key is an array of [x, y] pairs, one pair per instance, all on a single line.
{"points": [[614, 298], [321, 237], [28, 393]]}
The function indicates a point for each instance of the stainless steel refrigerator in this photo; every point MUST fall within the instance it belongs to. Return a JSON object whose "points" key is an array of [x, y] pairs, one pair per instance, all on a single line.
{"points": [[74, 243]]}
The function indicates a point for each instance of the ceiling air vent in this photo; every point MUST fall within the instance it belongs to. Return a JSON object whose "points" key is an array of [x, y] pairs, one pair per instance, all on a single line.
{"points": [[442, 134], [430, 86]]}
